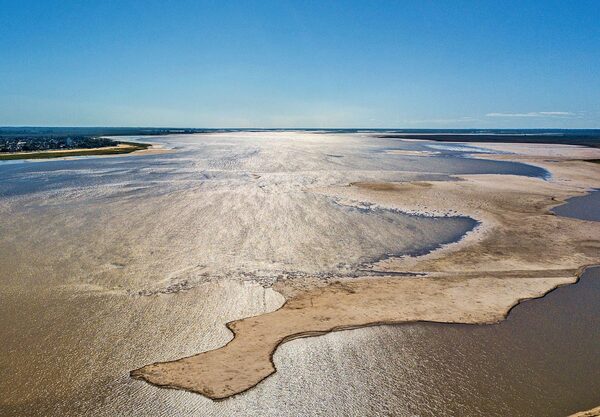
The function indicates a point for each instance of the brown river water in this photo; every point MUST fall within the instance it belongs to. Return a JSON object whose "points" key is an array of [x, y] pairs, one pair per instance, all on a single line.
{"points": [[108, 264]]}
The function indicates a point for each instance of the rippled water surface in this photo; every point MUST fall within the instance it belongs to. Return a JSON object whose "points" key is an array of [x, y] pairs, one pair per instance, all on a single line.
{"points": [[544, 360], [107, 264]]}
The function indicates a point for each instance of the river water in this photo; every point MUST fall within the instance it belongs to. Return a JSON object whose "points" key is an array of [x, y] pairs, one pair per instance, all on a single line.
{"points": [[586, 207], [107, 264]]}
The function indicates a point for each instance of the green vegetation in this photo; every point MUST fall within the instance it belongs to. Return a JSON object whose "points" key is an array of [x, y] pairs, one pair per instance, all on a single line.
{"points": [[128, 148]]}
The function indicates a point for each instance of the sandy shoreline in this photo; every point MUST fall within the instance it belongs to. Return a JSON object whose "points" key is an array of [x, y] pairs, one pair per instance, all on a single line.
{"points": [[520, 251], [121, 149], [595, 412]]}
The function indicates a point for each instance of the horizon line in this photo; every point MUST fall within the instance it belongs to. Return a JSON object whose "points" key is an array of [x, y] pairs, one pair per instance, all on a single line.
{"points": [[290, 128]]}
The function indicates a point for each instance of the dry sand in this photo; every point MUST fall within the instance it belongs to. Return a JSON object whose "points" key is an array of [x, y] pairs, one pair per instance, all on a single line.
{"points": [[411, 153], [153, 149], [595, 412], [519, 251]]}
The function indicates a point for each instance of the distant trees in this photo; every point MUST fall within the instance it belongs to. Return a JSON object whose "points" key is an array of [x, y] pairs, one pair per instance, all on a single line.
{"points": [[23, 143]]}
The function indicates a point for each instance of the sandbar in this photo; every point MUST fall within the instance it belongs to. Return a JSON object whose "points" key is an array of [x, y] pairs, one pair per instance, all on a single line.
{"points": [[594, 412], [520, 250]]}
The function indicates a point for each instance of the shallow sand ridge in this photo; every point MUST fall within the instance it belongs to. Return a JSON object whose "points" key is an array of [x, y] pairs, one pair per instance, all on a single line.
{"points": [[519, 251], [589, 413]]}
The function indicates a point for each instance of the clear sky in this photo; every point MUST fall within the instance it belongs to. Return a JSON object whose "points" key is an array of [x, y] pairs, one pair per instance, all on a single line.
{"points": [[300, 63]]}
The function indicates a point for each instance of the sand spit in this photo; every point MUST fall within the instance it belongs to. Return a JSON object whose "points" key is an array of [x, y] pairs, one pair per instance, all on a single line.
{"points": [[520, 251], [246, 360], [595, 412], [153, 149]]}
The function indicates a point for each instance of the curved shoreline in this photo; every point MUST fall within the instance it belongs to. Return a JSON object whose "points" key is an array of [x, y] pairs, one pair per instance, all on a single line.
{"points": [[141, 375], [477, 280], [594, 412]]}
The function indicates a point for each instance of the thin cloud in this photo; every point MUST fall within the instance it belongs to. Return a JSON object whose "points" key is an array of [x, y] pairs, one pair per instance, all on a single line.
{"points": [[440, 121], [534, 114]]}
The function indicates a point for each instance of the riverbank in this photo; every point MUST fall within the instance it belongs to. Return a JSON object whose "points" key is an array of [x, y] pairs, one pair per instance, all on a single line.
{"points": [[121, 148]]}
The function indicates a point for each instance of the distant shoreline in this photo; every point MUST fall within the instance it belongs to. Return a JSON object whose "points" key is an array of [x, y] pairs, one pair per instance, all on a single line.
{"points": [[120, 148], [592, 141], [582, 137]]}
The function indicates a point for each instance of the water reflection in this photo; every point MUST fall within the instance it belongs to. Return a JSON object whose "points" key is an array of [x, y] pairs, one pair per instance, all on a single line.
{"points": [[78, 236]]}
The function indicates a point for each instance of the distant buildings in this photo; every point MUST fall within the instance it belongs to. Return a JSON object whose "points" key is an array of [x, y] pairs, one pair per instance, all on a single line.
{"points": [[51, 142]]}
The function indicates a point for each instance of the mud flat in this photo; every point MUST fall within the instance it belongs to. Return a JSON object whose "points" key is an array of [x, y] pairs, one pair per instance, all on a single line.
{"points": [[521, 250]]}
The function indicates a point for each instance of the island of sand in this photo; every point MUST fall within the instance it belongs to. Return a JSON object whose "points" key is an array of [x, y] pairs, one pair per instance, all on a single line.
{"points": [[595, 412], [519, 250]]}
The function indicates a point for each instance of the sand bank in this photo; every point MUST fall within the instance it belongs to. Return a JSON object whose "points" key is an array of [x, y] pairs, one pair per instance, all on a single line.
{"points": [[595, 412], [153, 149], [520, 251]]}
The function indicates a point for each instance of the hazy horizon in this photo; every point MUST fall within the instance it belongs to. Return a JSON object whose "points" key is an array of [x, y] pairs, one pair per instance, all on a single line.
{"points": [[441, 129]]}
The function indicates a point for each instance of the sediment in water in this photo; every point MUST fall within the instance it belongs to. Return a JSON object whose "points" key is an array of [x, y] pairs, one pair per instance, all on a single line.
{"points": [[520, 251]]}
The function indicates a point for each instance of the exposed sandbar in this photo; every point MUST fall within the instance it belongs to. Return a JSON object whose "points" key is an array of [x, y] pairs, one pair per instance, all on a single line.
{"points": [[520, 251], [594, 412]]}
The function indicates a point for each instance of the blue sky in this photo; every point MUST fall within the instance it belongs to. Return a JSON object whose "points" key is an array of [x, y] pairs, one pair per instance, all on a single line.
{"points": [[300, 63]]}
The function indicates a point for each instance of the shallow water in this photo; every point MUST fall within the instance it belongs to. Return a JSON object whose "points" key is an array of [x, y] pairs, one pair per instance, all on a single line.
{"points": [[544, 360], [586, 207], [222, 206], [107, 264], [74, 352]]}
